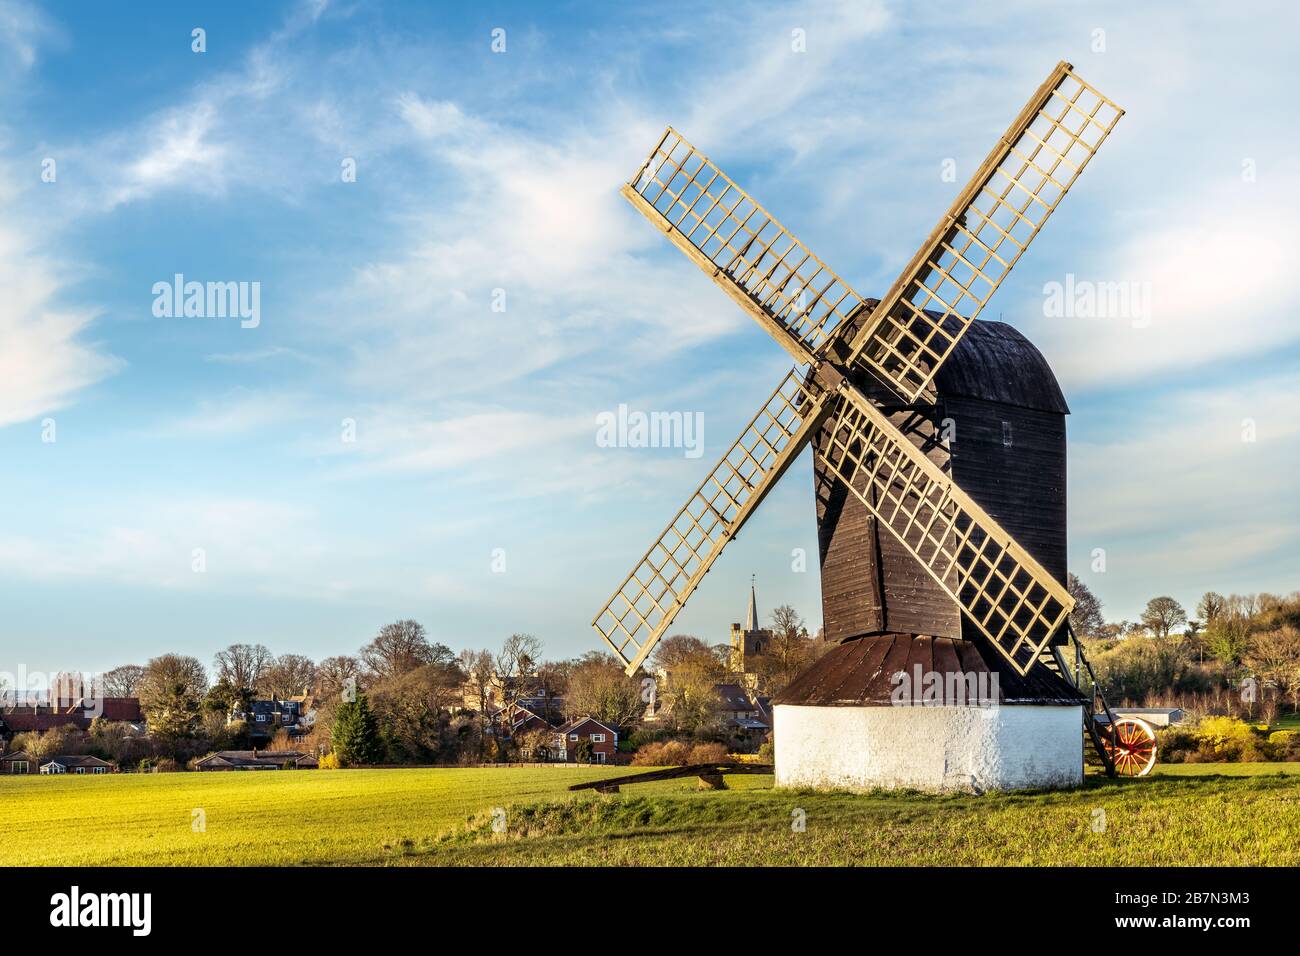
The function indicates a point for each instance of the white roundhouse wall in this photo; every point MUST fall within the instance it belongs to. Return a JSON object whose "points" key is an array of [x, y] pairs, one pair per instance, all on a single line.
{"points": [[928, 748]]}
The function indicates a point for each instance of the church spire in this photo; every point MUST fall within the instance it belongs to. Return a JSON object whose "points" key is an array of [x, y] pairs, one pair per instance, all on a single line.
{"points": [[751, 620]]}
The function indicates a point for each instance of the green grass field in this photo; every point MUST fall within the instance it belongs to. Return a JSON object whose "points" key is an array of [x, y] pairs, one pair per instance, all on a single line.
{"points": [[1188, 814]]}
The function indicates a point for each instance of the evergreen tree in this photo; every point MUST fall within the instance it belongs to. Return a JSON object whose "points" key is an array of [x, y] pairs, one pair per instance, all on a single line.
{"points": [[355, 736]]}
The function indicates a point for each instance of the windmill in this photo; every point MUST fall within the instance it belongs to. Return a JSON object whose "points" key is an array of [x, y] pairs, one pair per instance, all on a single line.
{"points": [[863, 369]]}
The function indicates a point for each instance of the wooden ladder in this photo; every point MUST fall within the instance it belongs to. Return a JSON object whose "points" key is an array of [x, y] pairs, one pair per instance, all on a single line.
{"points": [[1096, 731]]}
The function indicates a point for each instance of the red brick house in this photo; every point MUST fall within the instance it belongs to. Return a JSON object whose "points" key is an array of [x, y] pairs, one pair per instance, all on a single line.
{"points": [[604, 740], [17, 762], [518, 719]]}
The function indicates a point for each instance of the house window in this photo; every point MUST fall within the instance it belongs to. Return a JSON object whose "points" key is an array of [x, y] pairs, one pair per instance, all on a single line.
{"points": [[18, 766], [101, 770], [597, 738], [573, 736], [80, 770], [600, 756]]}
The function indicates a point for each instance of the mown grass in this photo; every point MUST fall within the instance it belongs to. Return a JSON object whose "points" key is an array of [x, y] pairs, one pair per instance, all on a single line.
{"points": [[1225, 814], [1261, 769]]}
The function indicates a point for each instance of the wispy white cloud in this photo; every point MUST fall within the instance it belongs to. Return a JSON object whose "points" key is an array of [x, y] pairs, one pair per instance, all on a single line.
{"points": [[45, 355], [471, 187], [238, 411], [24, 28]]}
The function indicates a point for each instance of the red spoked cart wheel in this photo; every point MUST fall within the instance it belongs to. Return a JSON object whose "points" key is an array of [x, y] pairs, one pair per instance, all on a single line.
{"points": [[1132, 748]]}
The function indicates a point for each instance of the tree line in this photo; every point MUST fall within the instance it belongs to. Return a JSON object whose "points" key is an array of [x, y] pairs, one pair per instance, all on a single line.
{"points": [[1233, 654], [404, 698]]}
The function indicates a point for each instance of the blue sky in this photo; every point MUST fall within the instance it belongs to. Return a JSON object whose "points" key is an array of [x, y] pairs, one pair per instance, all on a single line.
{"points": [[477, 171]]}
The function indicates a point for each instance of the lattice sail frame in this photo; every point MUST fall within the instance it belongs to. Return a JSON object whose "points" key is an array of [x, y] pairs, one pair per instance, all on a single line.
{"points": [[1008, 595], [758, 262], [984, 233], [650, 597], [810, 311]]}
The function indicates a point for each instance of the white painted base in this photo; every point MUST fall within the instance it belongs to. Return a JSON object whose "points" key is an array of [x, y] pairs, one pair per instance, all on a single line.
{"points": [[928, 748]]}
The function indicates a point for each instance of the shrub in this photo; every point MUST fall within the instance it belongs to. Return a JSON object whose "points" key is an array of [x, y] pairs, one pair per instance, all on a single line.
{"points": [[165, 765], [669, 753], [767, 752], [328, 762], [1283, 745], [1229, 739], [707, 753], [1224, 734], [1177, 744]]}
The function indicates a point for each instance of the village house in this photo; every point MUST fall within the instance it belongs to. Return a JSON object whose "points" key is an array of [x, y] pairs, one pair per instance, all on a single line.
{"points": [[747, 716], [257, 760], [604, 740], [264, 717], [518, 719], [17, 762], [77, 763]]}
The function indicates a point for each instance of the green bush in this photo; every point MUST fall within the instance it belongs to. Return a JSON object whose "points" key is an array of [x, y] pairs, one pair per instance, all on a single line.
{"points": [[1176, 744], [1283, 745]]}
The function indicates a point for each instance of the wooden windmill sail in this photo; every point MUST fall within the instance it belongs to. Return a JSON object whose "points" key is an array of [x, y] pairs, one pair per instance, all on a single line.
{"points": [[902, 341]]}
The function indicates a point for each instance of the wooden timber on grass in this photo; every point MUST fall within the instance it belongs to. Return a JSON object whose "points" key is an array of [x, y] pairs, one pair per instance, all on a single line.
{"points": [[710, 773]]}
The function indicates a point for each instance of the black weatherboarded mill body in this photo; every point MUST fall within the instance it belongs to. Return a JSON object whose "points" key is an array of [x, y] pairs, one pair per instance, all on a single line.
{"points": [[997, 426]]}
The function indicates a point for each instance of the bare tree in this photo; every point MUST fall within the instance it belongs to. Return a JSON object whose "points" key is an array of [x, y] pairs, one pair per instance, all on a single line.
{"points": [[679, 649], [1211, 606], [552, 684], [333, 672], [121, 681], [398, 647], [790, 649], [288, 676], [1162, 615], [515, 665], [598, 687], [242, 665], [479, 687], [1086, 618], [1275, 656]]}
